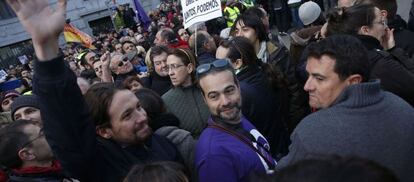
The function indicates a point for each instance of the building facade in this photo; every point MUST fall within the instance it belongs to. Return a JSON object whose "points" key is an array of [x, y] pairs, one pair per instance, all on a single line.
{"points": [[87, 15]]}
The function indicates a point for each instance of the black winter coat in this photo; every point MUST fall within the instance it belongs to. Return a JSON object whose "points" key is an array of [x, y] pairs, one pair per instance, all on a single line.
{"points": [[392, 67], [156, 83], [264, 109]]}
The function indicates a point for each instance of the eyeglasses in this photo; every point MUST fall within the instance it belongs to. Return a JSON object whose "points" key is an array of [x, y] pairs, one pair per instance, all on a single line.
{"points": [[41, 134], [124, 59], [382, 22], [219, 64], [174, 67]]}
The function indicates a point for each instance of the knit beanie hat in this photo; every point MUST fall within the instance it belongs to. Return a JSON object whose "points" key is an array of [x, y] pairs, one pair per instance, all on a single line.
{"points": [[24, 101], [309, 12], [9, 93]]}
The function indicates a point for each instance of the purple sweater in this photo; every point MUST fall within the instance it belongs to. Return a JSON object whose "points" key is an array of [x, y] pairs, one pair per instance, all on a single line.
{"points": [[223, 157]]}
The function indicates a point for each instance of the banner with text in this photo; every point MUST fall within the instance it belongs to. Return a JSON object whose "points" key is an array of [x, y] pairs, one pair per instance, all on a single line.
{"points": [[195, 11]]}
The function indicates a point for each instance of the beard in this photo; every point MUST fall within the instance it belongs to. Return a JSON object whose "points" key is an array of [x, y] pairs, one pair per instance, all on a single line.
{"points": [[229, 114], [143, 133]]}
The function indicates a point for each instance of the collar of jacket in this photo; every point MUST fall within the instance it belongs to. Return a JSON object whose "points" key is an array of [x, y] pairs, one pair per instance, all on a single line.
{"points": [[370, 42], [248, 71], [362, 94], [54, 168]]}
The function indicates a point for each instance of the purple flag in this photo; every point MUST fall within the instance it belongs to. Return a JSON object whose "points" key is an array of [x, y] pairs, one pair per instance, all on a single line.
{"points": [[141, 15]]}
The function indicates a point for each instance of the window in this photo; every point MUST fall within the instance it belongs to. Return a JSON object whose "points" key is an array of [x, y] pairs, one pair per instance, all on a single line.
{"points": [[9, 54], [5, 11]]}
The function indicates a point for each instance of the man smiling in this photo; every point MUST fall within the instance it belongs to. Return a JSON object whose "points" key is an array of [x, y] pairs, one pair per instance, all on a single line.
{"points": [[230, 148]]}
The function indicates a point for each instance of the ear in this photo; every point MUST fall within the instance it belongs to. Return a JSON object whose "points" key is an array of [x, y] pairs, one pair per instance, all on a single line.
{"points": [[104, 132], [238, 64], [364, 30], [206, 45], [25, 155], [384, 13], [354, 79], [190, 68]]}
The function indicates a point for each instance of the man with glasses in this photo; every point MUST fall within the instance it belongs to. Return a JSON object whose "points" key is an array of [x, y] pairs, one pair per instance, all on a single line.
{"points": [[404, 38], [26, 155], [230, 148], [121, 66]]}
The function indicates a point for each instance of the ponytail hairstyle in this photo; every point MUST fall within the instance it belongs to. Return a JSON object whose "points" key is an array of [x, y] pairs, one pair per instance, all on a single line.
{"points": [[242, 48], [350, 20]]}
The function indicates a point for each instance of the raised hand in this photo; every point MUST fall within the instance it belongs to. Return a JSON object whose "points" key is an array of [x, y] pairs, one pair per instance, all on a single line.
{"points": [[388, 41], [106, 58], [43, 23], [106, 72]]}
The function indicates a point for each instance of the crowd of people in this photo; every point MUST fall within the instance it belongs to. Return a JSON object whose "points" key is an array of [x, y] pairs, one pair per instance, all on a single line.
{"points": [[224, 100]]}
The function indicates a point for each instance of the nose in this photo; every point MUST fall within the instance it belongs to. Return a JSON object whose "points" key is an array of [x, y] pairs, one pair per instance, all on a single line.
{"points": [[238, 33], [308, 85], [163, 64], [170, 72], [224, 100], [141, 116], [25, 117]]}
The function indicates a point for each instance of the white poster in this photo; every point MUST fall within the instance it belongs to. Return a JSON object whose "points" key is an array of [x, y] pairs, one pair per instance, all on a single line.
{"points": [[3, 75], [23, 59], [195, 11]]}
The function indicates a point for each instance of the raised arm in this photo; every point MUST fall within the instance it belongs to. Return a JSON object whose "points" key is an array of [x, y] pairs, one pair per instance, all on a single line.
{"points": [[66, 122], [106, 72], [43, 23]]}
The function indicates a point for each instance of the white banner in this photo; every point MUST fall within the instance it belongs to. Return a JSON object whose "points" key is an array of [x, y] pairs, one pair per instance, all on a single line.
{"points": [[195, 11], [23, 59]]}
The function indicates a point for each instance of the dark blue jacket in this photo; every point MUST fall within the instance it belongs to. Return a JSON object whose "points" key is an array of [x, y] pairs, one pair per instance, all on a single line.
{"points": [[264, 109]]}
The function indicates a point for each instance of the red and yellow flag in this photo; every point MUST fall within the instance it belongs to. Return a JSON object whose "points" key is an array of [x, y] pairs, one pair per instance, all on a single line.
{"points": [[72, 34]]}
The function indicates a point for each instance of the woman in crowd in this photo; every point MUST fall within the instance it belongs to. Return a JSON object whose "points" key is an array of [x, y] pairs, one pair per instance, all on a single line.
{"points": [[252, 28], [277, 56], [389, 63], [185, 100]]}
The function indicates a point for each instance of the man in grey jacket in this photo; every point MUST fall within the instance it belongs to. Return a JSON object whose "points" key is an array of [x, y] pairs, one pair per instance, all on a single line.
{"points": [[355, 117]]}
